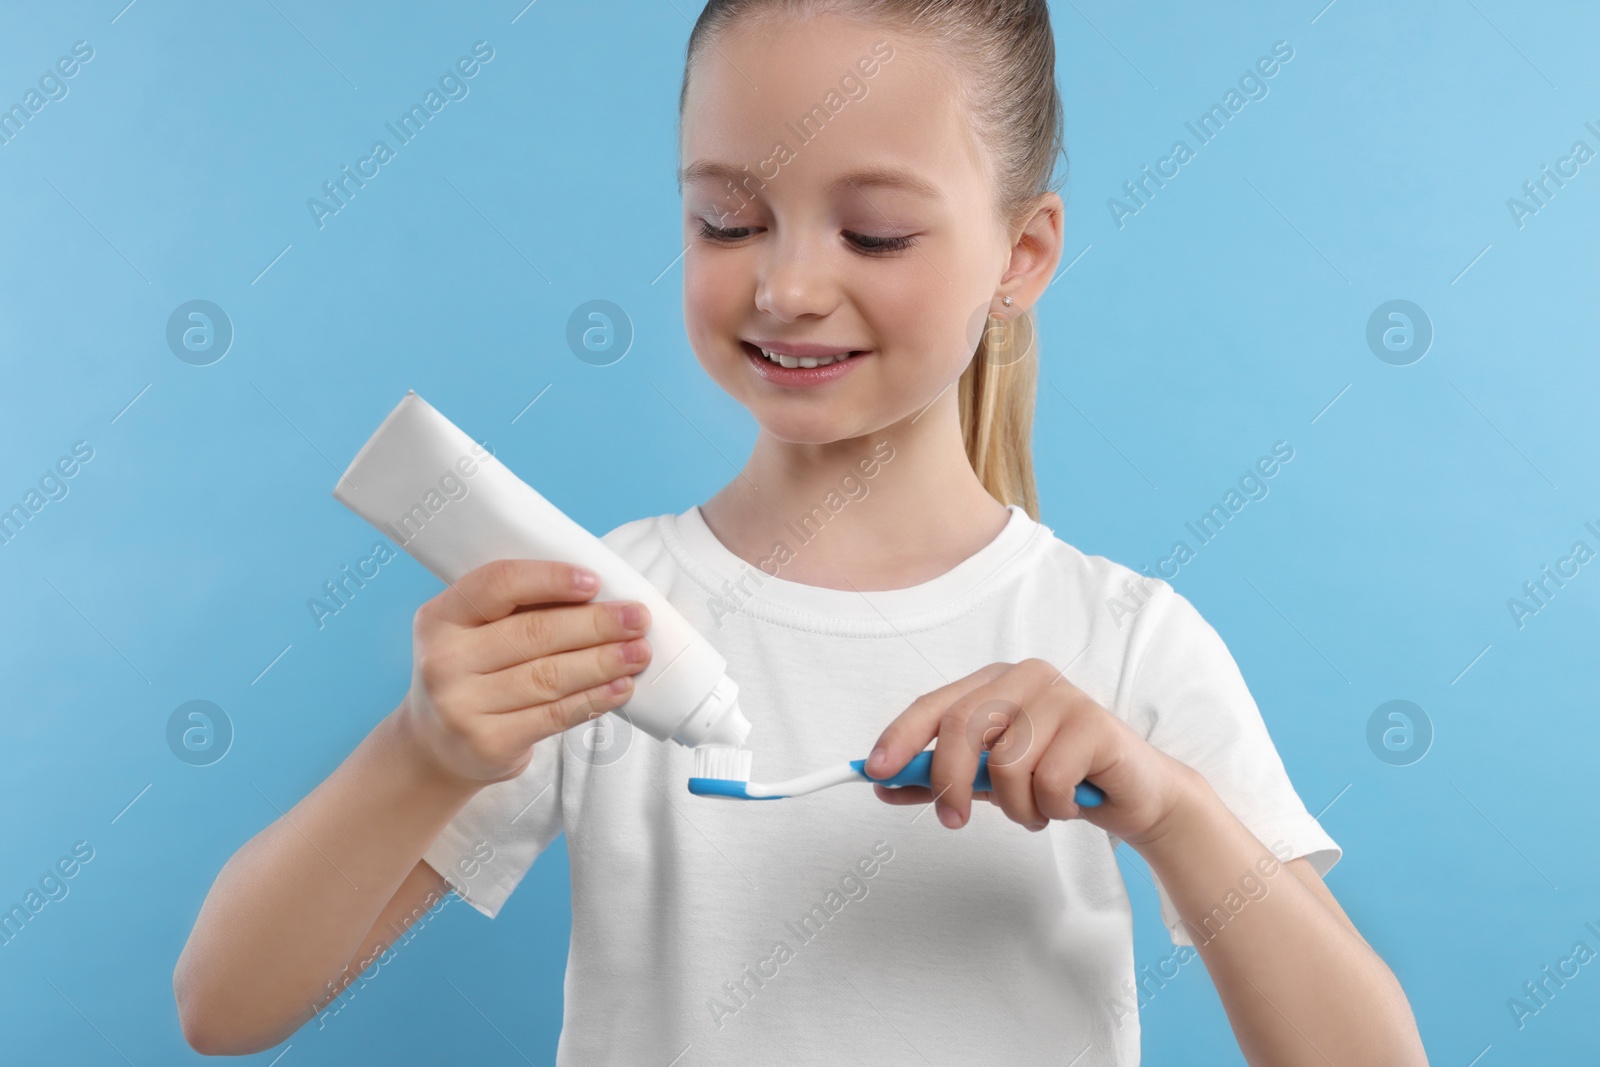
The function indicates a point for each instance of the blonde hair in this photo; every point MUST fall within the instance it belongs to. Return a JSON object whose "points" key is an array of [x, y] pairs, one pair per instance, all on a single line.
{"points": [[1006, 52]]}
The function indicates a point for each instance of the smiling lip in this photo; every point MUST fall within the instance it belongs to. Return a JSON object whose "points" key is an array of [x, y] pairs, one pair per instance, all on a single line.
{"points": [[800, 349], [801, 376]]}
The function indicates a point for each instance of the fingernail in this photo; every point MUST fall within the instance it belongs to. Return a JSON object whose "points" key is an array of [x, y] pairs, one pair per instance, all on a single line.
{"points": [[584, 579], [1036, 827], [949, 816], [875, 761]]}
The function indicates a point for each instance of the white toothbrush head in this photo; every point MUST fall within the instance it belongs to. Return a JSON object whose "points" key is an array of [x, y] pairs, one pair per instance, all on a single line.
{"points": [[722, 761], [722, 771]]}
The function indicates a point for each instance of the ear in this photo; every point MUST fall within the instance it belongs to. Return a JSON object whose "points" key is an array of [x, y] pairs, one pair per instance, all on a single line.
{"points": [[1035, 254]]}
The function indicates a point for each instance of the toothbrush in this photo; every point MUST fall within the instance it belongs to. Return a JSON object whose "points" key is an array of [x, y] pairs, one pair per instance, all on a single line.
{"points": [[722, 771]]}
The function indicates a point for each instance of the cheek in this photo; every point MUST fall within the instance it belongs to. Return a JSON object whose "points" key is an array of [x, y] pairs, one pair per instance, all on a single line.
{"points": [[710, 300], [715, 312], [721, 276], [941, 333]]}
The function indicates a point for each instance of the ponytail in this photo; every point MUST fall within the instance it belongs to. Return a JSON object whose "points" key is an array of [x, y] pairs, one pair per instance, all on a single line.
{"points": [[995, 395]]}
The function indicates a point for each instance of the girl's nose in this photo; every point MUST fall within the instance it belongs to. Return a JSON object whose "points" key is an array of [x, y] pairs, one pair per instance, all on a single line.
{"points": [[794, 283]]}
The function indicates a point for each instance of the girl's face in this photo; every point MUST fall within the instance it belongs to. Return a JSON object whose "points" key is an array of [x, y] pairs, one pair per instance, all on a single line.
{"points": [[812, 244]]}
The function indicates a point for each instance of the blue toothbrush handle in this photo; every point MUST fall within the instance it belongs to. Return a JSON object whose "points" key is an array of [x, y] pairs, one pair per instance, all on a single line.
{"points": [[917, 772]]}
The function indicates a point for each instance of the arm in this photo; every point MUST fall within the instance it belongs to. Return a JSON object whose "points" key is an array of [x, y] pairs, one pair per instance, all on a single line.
{"points": [[1299, 983], [292, 908], [314, 891]]}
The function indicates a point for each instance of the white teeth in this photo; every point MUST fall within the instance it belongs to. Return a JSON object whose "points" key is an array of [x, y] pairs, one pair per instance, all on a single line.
{"points": [[803, 361]]}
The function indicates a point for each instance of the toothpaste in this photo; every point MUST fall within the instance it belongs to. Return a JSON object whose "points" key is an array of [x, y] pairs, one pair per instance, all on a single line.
{"points": [[453, 507]]}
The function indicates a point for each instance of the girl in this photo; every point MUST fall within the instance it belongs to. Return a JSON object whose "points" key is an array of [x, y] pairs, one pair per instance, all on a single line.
{"points": [[869, 220]]}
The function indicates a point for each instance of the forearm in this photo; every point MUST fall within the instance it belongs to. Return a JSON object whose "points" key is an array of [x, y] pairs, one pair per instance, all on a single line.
{"points": [[1299, 985], [290, 909]]}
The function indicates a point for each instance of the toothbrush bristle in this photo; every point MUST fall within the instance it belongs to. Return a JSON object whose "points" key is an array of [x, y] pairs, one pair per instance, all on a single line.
{"points": [[722, 761]]}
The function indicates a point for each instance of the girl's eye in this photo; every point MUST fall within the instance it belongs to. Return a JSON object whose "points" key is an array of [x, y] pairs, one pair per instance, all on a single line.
{"points": [[879, 244], [867, 243], [713, 233]]}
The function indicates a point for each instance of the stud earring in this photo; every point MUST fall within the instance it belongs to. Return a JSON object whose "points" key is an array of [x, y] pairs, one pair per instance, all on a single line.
{"points": [[1006, 301]]}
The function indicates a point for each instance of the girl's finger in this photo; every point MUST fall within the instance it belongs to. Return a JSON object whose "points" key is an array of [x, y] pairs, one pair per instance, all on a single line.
{"points": [[913, 728], [963, 728], [905, 794], [916, 794], [498, 589], [1015, 755], [1064, 764], [955, 764]]}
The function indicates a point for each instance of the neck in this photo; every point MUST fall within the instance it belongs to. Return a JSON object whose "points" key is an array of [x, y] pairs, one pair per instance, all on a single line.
{"points": [[883, 510]]}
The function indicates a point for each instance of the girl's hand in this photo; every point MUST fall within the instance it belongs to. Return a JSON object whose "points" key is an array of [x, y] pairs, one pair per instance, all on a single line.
{"points": [[1044, 736], [510, 655]]}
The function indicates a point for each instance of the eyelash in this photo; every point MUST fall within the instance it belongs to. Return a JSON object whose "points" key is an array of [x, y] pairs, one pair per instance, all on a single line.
{"points": [[877, 245]]}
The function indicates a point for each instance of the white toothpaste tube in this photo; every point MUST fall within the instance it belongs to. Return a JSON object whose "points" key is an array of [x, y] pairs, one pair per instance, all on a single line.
{"points": [[453, 507]]}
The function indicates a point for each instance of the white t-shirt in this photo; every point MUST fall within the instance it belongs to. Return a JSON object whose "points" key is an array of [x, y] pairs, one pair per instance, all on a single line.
{"points": [[834, 927]]}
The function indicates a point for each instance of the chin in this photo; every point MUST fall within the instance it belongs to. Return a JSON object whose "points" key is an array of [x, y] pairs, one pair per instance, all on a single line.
{"points": [[819, 428]]}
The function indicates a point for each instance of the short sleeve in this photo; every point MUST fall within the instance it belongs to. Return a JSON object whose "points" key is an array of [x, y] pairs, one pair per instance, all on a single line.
{"points": [[484, 851], [1188, 698]]}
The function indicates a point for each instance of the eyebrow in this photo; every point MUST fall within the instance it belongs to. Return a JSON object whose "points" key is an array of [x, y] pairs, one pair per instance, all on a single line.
{"points": [[872, 176]]}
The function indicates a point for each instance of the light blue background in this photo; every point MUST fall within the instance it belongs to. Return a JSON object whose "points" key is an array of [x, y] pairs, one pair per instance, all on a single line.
{"points": [[1227, 315]]}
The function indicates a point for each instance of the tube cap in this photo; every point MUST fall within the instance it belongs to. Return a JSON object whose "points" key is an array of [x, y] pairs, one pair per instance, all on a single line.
{"points": [[717, 721]]}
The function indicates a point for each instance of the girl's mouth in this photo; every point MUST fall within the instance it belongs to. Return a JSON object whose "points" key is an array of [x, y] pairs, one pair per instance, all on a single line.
{"points": [[775, 372]]}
